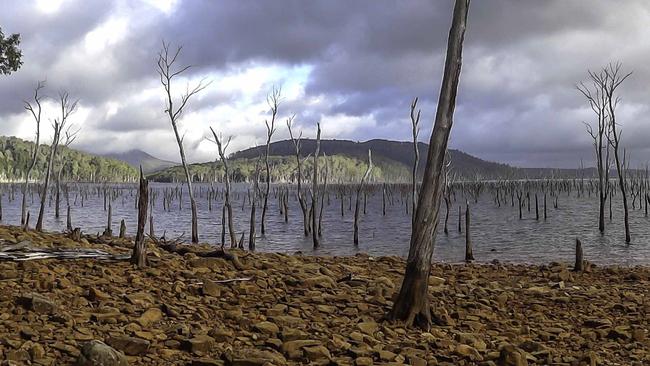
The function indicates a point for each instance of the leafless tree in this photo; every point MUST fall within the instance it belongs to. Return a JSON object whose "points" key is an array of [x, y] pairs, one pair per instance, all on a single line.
{"points": [[167, 70], [35, 111], [301, 198], [415, 121], [597, 99], [67, 108], [222, 155], [256, 193], [412, 303], [613, 79], [314, 193], [273, 101], [70, 137], [360, 187]]}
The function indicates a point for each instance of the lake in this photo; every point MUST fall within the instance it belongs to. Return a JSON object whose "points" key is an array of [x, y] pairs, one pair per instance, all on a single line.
{"points": [[497, 232]]}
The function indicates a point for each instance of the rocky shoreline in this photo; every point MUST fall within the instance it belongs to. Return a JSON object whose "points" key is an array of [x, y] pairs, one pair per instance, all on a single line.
{"points": [[277, 309]]}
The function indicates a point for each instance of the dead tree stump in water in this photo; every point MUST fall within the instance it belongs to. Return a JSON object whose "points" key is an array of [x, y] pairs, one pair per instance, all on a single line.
{"points": [[26, 225], [469, 253], [460, 217], [579, 265], [536, 208], [122, 229], [68, 220], [139, 256], [109, 230]]}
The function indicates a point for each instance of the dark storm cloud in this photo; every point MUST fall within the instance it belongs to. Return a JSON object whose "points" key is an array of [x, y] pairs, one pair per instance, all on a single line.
{"points": [[366, 59]]}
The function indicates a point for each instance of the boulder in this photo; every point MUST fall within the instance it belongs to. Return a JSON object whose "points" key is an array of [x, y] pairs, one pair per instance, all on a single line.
{"points": [[97, 353]]}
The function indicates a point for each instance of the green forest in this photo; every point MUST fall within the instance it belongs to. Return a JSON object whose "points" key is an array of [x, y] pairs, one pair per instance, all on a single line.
{"points": [[15, 158], [340, 169]]}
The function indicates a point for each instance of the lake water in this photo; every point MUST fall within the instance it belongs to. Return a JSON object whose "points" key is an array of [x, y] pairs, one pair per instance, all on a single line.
{"points": [[497, 232]]}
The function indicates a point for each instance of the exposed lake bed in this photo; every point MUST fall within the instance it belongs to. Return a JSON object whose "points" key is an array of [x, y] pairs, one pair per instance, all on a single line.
{"points": [[294, 309]]}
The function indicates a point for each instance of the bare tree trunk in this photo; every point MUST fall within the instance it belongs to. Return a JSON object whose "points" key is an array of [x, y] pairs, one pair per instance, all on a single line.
{"points": [[222, 154], [167, 73], [415, 120], [273, 100], [314, 193], [469, 253], [579, 265], [412, 303], [36, 113], [139, 256], [359, 190]]}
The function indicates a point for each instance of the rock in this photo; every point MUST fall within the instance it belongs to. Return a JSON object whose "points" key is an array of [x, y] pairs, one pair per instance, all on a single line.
{"points": [[293, 349], [152, 315], [511, 356], [316, 353], [363, 361], [598, 323], [469, 352], [37, 303], [95, 294], [638, 335], [129, 345], [221, 334], [97, 353], [200, 343], [368, 328], [267, 328], [210, 288]]}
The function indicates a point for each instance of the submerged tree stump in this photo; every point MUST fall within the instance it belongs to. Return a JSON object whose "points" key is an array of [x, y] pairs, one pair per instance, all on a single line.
{"points": [[579, 265], [469, 253]]}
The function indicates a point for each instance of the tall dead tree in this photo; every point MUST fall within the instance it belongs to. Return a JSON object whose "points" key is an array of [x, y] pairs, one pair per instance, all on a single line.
{"points": [[35, 111], [67, 108], [167, 70], [360, 187], [253, 201], [273, 101], [222, 147], [301, 198], [314, 193], [614, 78], [597, 99], [70, 137], [412, 303], [415, 121], [139, 255]]}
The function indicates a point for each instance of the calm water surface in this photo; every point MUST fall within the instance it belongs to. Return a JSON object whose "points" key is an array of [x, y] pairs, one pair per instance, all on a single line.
{"points": [[497, 232]]}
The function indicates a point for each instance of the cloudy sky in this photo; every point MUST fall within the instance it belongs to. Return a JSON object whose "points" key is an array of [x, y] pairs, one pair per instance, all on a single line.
{"points": [[352, 65]]}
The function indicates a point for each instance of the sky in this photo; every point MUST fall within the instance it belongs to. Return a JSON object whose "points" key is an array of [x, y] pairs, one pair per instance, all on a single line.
{"points": [[353, 66]]}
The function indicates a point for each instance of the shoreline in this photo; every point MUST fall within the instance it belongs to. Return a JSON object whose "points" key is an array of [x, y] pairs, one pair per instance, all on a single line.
{"points": [[278, 309]]}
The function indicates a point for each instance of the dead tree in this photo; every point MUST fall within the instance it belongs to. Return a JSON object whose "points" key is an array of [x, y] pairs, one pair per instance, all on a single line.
{"points": [[314, 193], [67, 108], [360, 187], [139, 255], [469, 253], [301, 198], [614, 79], [253, 201], [35, 111], [222, 147], [579, 265], [167, 71], [597, 99], [415, 121], [273, 101], [412, 303], [70, 137]]}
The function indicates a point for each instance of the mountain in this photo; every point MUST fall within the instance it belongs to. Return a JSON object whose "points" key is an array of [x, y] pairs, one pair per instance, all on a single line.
{"points": [[137, 158], [348, 160], [15, 157]]}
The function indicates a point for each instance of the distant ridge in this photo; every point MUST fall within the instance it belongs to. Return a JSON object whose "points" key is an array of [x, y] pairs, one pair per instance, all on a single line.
{"points": [[136, 158], [393, 160]]}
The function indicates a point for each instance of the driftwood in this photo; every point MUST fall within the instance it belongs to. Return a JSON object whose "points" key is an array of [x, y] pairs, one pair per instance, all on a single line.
{"points": [[176, 246], [24, 251]]}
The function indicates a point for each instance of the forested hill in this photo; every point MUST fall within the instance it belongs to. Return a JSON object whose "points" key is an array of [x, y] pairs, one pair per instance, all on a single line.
{"points": [[15, 157], [395, 152], [139, 158]]}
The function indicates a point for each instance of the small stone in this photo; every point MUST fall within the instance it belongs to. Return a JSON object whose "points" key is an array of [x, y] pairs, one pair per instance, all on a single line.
{"points": [[95, 353], [368, 328], [200, 343], [129, 345], [37, 303], [363, 361], [267, 328], [316, 353], [150, 316], [210, 288]]}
